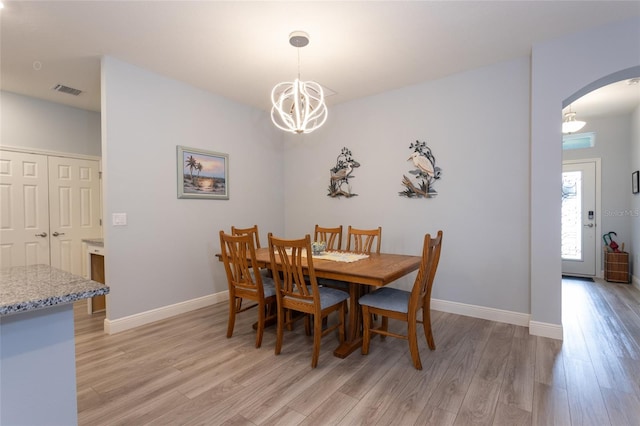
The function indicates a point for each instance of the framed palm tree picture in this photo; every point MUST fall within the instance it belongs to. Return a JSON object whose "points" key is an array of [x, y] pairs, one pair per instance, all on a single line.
{"points": [[202, 174]]}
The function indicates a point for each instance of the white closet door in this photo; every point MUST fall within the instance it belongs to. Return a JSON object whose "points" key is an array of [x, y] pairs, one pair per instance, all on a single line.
{"points": [[74, 199], [24, 209]]}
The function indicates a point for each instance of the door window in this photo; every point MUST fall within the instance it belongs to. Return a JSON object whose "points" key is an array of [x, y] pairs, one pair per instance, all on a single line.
{"points": [[572, 215]]}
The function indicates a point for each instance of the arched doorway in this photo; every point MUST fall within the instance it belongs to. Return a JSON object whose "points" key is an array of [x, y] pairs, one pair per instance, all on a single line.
{"points": [[562, 71]]}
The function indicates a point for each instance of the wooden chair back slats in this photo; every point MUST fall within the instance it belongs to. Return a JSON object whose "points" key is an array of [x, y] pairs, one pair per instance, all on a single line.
{"points": [[332, 236], [293, 281], [421, 291], [364, 240], [253, 231], [238, 255]]}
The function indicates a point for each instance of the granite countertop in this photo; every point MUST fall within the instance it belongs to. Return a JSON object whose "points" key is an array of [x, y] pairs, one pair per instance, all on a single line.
{"points": [[94, 241], [27, 288]]}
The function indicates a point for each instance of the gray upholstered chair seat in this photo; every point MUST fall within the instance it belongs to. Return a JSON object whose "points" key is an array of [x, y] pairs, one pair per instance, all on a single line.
{"points": [[389, 298], [329, 296]]}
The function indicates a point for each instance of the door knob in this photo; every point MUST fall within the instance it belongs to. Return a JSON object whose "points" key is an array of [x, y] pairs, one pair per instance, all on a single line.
{"points": [[55, 234], [590, 225], [42, 234]]}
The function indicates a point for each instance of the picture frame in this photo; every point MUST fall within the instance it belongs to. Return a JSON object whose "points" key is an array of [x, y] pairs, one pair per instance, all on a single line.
{"points": [[202, 174], [635, 182]]}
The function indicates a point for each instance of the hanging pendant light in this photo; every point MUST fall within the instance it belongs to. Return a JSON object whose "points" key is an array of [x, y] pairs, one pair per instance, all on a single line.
{"points": [[570, 124], [298, 106]]}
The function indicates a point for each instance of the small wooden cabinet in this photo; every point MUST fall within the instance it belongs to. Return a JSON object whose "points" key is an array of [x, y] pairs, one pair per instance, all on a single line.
{"points": [[616, 267], [95, 272], [98, 303]]}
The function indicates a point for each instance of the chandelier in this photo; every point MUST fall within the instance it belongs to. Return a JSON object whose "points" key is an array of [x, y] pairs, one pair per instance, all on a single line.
{"points": [[570, 124], [298, 106]]}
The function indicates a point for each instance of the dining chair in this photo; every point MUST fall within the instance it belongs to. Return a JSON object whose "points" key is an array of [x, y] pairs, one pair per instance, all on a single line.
{"points": [[360, 241], [253, 231], [239, 257], [297, 290], [404, 305], [363, 240], [332, 236]]}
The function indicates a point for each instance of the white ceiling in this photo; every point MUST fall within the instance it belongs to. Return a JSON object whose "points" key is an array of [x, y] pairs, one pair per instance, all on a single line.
{"points": [[240, 49]]}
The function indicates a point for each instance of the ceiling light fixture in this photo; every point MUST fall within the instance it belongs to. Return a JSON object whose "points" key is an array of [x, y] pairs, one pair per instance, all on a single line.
{"points": [[298, 106], [570, 124]]}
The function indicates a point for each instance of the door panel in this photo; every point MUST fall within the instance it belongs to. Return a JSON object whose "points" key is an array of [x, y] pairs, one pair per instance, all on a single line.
{"points": [[74, 186], [578, 218], [24, 209]]}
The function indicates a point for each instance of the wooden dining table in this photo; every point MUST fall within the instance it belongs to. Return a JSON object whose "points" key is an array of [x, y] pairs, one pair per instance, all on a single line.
{"points": [[374, 271]]}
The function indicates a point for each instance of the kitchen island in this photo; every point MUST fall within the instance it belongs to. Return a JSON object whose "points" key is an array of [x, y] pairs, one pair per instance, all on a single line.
{"points": [[37, 347]]}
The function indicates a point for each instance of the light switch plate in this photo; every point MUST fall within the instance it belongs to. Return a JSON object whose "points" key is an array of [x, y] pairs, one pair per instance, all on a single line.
{"points": [[119, 219]]}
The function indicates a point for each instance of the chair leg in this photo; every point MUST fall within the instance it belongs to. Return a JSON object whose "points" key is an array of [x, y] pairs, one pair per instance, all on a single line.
{"points": [[232, 315], [260, 329], [366, 325], [426, 324], [280, 329], [272, 309], [412, 335], [289, 320], [384, 325], [317, 337], [307, 324]]}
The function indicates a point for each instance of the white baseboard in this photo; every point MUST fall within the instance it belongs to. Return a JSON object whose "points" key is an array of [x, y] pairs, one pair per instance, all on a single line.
{"points": [[126, 323], [552, 331], [544, 329], [492, 314]]}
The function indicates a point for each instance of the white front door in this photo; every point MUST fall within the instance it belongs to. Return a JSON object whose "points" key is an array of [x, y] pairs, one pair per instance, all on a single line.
{"points": [[74, 213], [24, 209], [579, 231]]}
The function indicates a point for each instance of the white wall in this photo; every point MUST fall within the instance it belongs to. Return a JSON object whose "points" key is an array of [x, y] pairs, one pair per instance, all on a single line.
{"points": [[477, 126], [613, 146], [165, 255], [33, 123]]}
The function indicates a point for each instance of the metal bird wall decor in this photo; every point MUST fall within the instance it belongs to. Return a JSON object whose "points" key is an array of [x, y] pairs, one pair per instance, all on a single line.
{"points": [[341, 173], [426, 173]]}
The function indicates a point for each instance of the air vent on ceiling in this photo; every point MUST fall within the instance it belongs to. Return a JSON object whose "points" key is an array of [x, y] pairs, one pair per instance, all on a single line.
{"points": [[66, 89]]}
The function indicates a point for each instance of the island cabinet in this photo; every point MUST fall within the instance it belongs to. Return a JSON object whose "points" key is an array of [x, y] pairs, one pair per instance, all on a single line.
{"points": [[37, 344]]}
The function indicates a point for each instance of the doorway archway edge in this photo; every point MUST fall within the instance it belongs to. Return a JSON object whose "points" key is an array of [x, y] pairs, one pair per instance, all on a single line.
{"points": [[561, 69]]}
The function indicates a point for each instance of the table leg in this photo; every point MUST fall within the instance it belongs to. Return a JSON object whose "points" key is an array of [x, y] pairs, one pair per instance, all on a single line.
{"points": [[353, 339]]}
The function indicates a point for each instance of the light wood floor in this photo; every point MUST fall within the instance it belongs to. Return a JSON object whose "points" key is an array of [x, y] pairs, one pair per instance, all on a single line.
{"points": [[185, 371]]}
